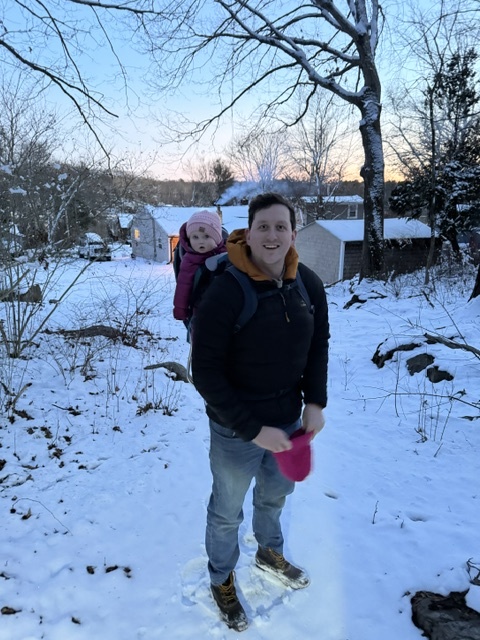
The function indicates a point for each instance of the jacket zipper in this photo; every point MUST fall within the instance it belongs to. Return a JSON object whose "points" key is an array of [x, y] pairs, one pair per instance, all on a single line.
{"points": [[285, 305]]}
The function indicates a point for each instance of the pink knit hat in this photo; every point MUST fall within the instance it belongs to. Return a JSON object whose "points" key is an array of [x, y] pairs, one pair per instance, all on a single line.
{"points": [[296, 463], [206, 222]]}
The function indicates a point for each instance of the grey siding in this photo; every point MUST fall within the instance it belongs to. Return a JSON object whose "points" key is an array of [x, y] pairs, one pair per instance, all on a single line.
{"points": [[320, 251], [149, 239]]}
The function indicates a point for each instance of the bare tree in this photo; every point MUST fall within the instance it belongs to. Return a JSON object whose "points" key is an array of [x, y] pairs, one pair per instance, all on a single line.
{"points": [[278, 49], [260, 156], [315, 143], [28, 138], [49, 38]]}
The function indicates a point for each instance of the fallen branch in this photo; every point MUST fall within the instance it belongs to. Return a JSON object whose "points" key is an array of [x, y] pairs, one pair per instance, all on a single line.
{"points": [[452, 344], [178, 370]]}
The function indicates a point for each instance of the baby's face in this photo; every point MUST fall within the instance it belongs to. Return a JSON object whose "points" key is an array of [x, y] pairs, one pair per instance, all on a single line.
{"points": [[201, 242]]}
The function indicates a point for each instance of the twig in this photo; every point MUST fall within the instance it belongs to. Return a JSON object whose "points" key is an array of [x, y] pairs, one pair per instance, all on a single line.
{"points": [[46, 508]]}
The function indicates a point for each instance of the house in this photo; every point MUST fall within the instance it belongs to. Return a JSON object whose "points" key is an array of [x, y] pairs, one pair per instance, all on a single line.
{"points": [[333, 248], [154, 230], [124, 221], [118, 225], [332, 208]]}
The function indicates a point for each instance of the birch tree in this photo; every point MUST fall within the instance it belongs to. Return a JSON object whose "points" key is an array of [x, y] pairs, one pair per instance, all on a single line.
{"points": [[273, 50]]}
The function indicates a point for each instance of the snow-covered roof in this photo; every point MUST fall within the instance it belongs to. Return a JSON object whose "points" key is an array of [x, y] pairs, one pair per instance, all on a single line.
{"points": [[394, 229], [124, 220], [172, 218], [93, 237]]}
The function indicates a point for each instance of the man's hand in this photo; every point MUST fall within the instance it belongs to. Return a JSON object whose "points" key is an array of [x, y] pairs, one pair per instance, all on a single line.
{"points": [[273, 439], [313, 419]]}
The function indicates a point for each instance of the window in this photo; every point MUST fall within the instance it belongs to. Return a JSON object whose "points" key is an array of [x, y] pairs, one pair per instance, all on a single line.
{"points": [[352, 211], [136, 234]]}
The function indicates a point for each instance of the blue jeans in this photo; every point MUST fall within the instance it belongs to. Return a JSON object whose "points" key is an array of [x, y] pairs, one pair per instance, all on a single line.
{"points": [[234, 464]]}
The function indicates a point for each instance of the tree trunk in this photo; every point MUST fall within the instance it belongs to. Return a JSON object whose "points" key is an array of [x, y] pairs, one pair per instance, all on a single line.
{"points": [[431, 250], [476, 288], [373, 263]]}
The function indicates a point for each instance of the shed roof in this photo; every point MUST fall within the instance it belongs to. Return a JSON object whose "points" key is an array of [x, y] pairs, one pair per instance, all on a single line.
{"points": [[394, 229], [172, 218]]}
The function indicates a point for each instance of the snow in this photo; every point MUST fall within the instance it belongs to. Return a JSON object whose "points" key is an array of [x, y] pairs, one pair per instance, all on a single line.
{"points": [[393, 229], [15, 231], [90, 236], [103, 499], [125, 220], [172, 218], [17, 191]]}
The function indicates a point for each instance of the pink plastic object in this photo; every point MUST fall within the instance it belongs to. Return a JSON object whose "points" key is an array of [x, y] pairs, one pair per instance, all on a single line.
{"points": [[296, 463]]}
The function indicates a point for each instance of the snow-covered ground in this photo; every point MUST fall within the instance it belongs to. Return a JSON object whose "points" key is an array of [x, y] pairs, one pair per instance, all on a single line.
{"points": [[104, 474]]}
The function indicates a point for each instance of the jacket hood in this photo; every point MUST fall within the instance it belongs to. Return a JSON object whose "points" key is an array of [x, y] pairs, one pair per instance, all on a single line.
{"points": [[239, 255]]}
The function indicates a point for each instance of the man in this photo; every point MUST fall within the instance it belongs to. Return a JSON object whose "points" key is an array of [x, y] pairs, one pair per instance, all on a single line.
{"points": [[254, 382]]}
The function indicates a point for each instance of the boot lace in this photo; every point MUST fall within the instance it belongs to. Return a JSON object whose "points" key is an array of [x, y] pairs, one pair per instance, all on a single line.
{"points": [[228, 593], [279, 560]]}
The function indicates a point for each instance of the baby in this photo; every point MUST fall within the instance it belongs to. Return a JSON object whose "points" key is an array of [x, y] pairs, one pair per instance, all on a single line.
{"points": [[200, 238]]}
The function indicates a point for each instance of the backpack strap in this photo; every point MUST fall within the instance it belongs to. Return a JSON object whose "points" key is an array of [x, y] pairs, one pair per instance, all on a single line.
{"points": [[177, 258], [197, 276], [251, 296], [303, 291]]}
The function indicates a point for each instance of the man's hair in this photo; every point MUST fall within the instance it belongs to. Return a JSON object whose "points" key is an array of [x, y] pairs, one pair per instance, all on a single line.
{"points": [[266, 200]]}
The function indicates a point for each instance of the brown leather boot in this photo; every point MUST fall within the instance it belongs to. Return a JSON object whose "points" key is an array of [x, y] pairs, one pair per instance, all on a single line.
{"points": [[231, 610], [275, 564]]}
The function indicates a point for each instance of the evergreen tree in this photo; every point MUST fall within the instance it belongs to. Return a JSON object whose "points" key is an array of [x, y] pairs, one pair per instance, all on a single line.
{"points": [[447, 185]]}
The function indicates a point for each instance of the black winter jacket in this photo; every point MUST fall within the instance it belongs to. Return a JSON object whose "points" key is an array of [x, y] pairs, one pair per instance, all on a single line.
{"points": [[260, 375]]}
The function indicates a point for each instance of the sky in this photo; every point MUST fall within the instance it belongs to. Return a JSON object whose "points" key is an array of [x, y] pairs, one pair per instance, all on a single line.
{"points": [[104, 476], [141, 113]]}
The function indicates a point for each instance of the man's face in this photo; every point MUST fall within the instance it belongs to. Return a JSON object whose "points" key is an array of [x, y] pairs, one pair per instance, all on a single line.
{"points": [[201, 242], [270, 238]]}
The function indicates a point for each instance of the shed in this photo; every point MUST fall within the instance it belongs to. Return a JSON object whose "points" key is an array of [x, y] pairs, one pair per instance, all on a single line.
{"points": [[154, 230], [124, 221], [118, 224], [333, 248]]}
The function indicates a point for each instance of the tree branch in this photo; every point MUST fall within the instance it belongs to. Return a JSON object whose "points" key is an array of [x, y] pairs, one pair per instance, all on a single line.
{"points": [[451, 344]]}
